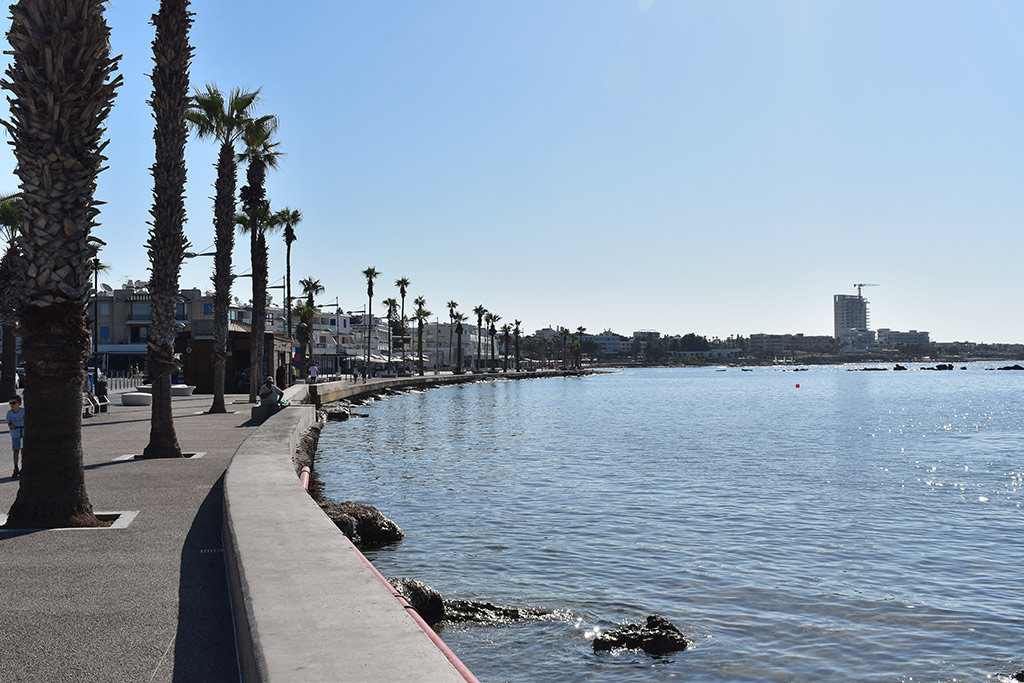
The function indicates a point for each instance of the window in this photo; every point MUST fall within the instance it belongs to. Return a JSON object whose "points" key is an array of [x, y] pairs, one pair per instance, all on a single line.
{"points": [[207, 309], [104, 332], [179, 311], [104, 308], [141, 310]]}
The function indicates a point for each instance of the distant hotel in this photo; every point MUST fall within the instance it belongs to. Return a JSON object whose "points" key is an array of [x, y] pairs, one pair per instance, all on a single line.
{"points": [[851, 326]]}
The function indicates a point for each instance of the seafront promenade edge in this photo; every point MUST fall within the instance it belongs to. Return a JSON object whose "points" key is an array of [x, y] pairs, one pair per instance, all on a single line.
{"points": [[150, 601]]}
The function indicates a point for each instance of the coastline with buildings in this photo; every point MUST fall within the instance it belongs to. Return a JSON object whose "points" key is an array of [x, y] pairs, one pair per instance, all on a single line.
{"points": [[340, 340]]}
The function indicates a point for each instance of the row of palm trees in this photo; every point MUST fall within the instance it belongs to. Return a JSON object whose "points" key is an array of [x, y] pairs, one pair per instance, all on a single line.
{"points": [[397, 321], [57, 137]]}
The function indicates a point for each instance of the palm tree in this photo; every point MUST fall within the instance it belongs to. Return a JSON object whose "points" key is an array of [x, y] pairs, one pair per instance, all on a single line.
{"points": [[260, 153], [223, 119], [392, 306], [506, 330], [97, 267], [311, 289], [403, 286], [579, 343], [421, 314], [304, 331], [516, 331], [370, 274], [452, 305], [480, 312], [61, 86], [491, 319], [10, 223], [289, 219], [564, 334], [167, 243], [458, 318]]}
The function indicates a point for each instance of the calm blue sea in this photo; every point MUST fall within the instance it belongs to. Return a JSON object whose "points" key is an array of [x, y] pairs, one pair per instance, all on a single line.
{"points": [[865, 526]]}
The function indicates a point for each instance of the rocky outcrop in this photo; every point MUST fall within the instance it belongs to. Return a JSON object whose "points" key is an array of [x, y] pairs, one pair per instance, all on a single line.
{"points": [[657, 637], [1013, 367], [422, 597], [488, 613], [364, 524], [899, 367], [336, 413]]}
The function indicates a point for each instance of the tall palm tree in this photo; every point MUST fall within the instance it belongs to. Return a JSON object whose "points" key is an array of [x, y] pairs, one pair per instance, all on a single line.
{"points": [[172, 55], [370, 274], [289, 218], [97, 267], [452, 305], [222, 118], [260, 153], [564, 334], [480, 312], [403, 286], [422, 315], [579, 344], [506, 330], [516, 332], [311, 288], [61, 86], [458, 318], [491, 319], [392, 306], [10, 222]]}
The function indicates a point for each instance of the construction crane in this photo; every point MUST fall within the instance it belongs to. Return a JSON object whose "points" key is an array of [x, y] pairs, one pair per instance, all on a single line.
{"points": [[864, 284]]}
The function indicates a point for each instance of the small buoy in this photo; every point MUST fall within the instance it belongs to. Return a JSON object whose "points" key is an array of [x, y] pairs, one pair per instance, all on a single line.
{"points": [[797, 386]]}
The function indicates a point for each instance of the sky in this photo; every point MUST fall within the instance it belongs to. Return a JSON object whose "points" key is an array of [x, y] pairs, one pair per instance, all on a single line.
{"points": [[685, 166]]}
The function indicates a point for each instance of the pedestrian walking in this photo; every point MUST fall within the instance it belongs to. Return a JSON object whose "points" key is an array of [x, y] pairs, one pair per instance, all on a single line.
{"points": [[16, 423]]}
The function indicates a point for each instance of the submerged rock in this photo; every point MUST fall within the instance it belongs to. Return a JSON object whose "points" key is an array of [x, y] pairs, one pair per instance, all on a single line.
{"points": [[1016, 366], [422, 597], [489, 613], [363, 524], [657, 637]]}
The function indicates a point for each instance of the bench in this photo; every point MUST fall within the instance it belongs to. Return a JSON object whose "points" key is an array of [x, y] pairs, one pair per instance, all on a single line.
{"points": [[136, 398]]}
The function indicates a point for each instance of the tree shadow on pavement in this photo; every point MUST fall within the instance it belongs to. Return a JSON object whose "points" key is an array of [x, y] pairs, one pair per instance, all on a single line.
{"points": [[204, 648]]}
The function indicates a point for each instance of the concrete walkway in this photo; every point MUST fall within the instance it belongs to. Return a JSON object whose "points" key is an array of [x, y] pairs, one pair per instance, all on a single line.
{"points": [[145, 603]]}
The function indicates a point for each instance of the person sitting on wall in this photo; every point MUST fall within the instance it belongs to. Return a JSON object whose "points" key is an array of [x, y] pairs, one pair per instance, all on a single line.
{"points": [[270, 395]]}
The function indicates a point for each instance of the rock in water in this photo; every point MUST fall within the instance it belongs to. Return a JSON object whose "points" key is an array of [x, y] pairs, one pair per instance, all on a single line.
{"points": [[422, 597], [485, 612], [363, 524], [657, 637]]}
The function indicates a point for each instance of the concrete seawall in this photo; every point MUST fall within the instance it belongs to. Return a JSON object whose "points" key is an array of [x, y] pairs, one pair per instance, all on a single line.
{"points": [[307, 608], [306, 605]]}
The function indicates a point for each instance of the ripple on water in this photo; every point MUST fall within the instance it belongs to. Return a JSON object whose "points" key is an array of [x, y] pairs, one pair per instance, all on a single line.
{"points": [[859, 529]]}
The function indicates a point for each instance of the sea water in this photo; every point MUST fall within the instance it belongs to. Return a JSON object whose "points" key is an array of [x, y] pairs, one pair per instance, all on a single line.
{"points": [[796, 526]]}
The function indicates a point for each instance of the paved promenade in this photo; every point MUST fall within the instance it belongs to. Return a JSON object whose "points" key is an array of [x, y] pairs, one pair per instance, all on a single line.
{"points": [[145, 603]]}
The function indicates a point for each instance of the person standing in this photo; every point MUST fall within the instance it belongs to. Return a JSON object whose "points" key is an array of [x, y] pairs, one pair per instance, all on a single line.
{"points": [[16, 423], [313, 372]]}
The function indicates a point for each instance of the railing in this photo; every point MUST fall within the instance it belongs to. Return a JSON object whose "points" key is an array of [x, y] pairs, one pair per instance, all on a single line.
{"points": [[120, 382]]}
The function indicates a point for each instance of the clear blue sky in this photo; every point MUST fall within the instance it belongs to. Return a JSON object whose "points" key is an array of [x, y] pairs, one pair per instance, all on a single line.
{"points": [[716, 167]]}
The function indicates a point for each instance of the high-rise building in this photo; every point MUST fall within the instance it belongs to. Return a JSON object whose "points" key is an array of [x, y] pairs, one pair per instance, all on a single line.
{"points": [[851, 314]]}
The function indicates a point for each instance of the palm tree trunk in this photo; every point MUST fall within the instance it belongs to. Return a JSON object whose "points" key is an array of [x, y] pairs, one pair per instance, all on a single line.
{"points": [[259, 313], [224, 215], [419, 349], [8, 361], [167, 243], [288, 307], [56, 132], [52, 489]]}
